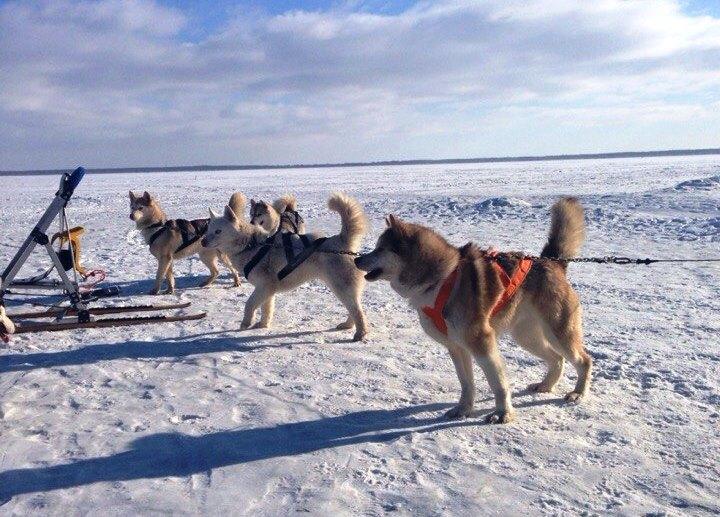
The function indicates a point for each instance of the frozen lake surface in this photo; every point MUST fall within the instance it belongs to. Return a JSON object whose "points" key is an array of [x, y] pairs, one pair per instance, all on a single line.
{"points": [[200, 418]]}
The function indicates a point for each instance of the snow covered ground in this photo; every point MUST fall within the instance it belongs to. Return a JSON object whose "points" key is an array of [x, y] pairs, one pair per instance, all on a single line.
{"points": [[200, 418]]}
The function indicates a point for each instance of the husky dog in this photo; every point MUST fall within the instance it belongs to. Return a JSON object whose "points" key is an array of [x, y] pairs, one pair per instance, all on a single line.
{"points": [[170, 240], [543, 316], [241, 241], [281, 215]]}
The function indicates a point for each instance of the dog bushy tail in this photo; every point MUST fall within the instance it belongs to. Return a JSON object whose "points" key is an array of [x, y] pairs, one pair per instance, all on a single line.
{"points": [[285, 202], [567, 229], [238, 202], [354, 224]]}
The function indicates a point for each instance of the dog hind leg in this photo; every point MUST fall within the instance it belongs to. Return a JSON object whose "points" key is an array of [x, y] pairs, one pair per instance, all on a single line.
{"points": [[531, 337], [351, 300], [348, 288], [566, 339], [347, 324]]}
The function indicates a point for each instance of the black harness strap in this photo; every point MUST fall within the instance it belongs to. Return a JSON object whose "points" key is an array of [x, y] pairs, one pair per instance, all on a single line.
{"points": [[264, 248], [293, 261], [292, 220], [191, 231], [288, 247], [155, 235], [302, 256]]}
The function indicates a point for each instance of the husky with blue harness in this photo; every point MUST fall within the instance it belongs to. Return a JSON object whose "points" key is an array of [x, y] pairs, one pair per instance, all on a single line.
{"points": [[281, 261], [173, 239]]}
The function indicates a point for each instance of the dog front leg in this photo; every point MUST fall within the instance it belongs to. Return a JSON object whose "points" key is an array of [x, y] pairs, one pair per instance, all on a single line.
{"points": [[463, 367], [234, 272], [486, 353], [170, 278], [255, 300], [268, 309], [163, 265]]}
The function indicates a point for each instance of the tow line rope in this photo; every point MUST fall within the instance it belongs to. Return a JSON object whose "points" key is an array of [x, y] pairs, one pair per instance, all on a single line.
{"points": [[592, 260], [624, 260], [611, 259]]}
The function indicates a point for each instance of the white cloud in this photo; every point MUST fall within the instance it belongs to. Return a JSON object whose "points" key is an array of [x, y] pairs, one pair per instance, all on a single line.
{"points": [[112, 83]]}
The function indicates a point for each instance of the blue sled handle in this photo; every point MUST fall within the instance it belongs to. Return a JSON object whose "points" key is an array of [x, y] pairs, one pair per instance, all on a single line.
{"points": [[69, 182], [75, 178]]}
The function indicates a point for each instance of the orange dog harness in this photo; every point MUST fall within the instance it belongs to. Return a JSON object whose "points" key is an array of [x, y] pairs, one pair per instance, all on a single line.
{"points": [[435, 312], [510, 283]]}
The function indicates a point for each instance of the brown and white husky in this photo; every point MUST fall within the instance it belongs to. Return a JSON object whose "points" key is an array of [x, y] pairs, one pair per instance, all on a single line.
{"points": [[242, 240], [543, 316], [170, 240], [282, 215]]}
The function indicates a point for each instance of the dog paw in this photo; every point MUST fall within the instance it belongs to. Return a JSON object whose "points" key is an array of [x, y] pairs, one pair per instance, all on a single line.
{"points": [[573, 397], [500, 416], [459, 411], [345, 325], [539, 387], [237, 283], [245, 326], [261, 325], [360, 335], [154, 292]]}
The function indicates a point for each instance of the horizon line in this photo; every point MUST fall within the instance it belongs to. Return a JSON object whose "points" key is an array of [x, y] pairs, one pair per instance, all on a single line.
{"points": [[380, 163]]}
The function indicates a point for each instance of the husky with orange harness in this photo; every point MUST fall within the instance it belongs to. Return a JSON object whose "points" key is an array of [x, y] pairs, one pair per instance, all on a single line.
{"points": [[466, 297]]}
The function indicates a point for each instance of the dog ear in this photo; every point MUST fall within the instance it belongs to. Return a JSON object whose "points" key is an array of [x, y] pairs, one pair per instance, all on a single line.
{"points": [[133, 197], [213, 214], [252, 203], [146, 197], [230, 215], [392, 221]]}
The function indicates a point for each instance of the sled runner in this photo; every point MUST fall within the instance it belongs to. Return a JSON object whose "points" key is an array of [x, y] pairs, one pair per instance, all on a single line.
{"points": [[77, 314], [22, 327], [60, 312]]}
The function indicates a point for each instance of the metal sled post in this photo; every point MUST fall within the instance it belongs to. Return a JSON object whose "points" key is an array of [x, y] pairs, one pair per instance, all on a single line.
{"points": [[38, 235]]}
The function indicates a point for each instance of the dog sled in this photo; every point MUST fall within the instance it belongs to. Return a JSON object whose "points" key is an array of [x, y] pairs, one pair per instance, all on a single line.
{"points": [[74, 311]]}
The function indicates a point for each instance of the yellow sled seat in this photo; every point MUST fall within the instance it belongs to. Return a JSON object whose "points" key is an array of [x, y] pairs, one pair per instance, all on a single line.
{"points": [[73, 236]]}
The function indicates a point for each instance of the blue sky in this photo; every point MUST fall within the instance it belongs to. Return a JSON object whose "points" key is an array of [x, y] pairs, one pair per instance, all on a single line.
{"points": [[169, 82]]}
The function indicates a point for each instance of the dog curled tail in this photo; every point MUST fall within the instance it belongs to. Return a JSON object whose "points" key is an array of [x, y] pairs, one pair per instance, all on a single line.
{"points": [[238, 202], [354, 224], [285, 202], [567, 230]]}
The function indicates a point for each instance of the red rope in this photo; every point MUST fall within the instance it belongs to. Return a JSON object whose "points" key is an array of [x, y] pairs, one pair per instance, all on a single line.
{"points": [[97, 276]]}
